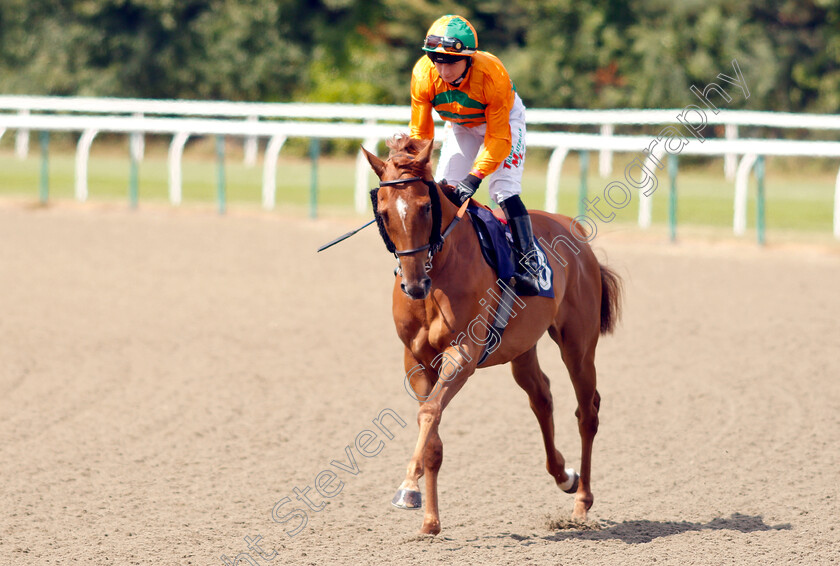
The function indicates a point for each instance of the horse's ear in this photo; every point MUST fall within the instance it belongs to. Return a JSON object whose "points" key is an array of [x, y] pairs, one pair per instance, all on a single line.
{"points": [[426, 152], [377, 164]]}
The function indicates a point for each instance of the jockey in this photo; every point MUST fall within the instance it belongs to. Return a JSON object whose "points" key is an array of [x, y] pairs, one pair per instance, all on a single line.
{"points": [[472, 92]]}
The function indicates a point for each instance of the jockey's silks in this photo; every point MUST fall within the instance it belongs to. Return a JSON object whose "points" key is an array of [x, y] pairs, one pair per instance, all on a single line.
{"points": [[485, 96]]}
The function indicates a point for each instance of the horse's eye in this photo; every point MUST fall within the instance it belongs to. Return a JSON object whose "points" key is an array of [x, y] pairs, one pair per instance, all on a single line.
{"points": [[427, 208]]}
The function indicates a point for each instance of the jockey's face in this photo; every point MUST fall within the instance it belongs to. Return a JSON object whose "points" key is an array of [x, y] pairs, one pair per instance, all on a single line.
{"points": [[450, 72]]}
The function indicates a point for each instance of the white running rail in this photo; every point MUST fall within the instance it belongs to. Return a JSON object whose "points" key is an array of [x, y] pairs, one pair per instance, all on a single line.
{"points": [[372, 131]]}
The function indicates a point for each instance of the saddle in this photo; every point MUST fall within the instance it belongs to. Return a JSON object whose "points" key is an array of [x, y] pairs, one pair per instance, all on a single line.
{"points": [[494, 238], [496, 241]]}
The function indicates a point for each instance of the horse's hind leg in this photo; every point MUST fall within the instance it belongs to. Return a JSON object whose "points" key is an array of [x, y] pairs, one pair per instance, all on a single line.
{"points": [[529, 376], [579, 356]]}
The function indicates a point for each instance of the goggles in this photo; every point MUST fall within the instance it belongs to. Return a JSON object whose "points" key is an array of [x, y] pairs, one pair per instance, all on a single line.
{"points": [[444, 58], [449, 44]]}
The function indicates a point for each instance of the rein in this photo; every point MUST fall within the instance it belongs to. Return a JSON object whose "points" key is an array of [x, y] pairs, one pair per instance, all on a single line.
{"points": [[436, 238]]}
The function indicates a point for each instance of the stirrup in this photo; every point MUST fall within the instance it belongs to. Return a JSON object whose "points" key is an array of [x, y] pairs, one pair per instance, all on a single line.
{"points": [[526, 284]]}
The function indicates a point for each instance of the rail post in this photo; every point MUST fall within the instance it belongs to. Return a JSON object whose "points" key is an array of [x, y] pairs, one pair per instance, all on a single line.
{"points": [[22, 138], [132, 179], [605, 156], [44, 138], [269, 186], [552, 181], [251, 145], [759, 203], [314, 152], [584, 171], [220, 173], [742, 179], [673, 164]]}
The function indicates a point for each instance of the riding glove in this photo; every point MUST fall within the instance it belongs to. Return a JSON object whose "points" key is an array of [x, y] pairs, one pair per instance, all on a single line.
{"points": [[467, 187]]}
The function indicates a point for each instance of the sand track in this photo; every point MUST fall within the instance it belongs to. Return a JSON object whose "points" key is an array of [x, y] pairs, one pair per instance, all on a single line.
{"points": [[167, 376]]}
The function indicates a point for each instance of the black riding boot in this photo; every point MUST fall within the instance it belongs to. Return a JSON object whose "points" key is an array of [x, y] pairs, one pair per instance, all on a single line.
{"points": [[527, 265]]}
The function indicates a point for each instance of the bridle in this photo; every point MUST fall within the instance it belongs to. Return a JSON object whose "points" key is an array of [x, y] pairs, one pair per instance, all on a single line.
{"points": [[436, 238]]}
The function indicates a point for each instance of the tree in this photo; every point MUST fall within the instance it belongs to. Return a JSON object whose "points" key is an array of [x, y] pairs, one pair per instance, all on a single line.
{"points": [[560, 53]]}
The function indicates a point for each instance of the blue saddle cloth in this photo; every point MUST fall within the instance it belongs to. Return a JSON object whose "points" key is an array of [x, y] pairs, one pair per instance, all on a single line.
{"points": [[495, 240]]}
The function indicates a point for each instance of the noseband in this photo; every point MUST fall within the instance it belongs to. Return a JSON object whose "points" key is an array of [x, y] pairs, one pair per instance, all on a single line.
{"points": [[436, 238]]}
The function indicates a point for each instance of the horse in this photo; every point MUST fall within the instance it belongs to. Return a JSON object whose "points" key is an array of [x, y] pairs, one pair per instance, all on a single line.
{"points": [[437, 300]]}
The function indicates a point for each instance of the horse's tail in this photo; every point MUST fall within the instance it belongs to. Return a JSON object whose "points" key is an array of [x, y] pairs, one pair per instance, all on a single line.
{"points": [[611, 290]]}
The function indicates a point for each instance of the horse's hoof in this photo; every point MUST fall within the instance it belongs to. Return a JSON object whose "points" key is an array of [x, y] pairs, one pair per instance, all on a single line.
{"points": [[571, 484], [407, 499], [430, 528], [579, 513]]}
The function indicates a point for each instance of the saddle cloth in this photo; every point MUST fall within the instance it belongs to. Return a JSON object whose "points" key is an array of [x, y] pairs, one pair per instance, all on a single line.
{"points": [[496, 241]]}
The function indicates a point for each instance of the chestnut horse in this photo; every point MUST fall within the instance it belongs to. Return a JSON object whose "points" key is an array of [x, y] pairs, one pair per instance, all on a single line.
{"points": [[437, 299]]}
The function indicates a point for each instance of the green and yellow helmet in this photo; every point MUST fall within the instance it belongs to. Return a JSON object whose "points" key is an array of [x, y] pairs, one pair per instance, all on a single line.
{"points": [[451, 34]]}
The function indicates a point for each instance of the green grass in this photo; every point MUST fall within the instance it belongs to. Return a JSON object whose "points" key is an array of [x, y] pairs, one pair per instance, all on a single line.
{"points": [[795, 202]]}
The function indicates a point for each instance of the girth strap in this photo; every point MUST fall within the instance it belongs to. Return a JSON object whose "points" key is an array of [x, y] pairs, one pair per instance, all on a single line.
{"points": [[500, 322]]}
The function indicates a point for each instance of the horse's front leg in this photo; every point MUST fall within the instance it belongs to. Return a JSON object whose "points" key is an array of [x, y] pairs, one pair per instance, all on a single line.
{"points": [[434, 388], [420, 382]]}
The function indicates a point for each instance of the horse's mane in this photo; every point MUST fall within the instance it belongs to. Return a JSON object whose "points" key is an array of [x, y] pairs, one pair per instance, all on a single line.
{"points": [[403, 150]]}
